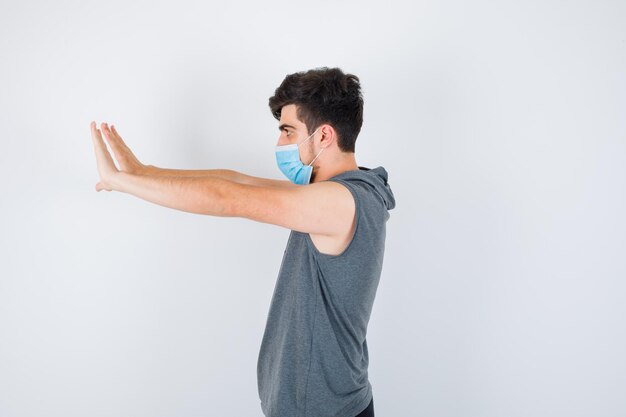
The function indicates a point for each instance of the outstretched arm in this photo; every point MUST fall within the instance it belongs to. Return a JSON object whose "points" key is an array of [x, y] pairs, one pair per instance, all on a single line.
{"points": [[326, 208], [202, 195], [227, 174], [129, 163]]}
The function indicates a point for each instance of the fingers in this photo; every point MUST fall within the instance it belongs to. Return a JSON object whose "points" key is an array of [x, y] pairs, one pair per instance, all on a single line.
{"points": [[103, 157], [106, 131], [95, 134], [110, 133], [117, 137], [111, 139], [115, 132], [114, 139]]}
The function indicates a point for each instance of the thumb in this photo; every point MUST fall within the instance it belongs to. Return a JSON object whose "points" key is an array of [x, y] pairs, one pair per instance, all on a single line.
{"points": [[100, 187]]}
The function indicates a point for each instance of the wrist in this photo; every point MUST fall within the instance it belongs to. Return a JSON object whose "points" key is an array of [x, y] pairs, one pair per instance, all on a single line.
{"points": [[147, 169], [117, 181]]}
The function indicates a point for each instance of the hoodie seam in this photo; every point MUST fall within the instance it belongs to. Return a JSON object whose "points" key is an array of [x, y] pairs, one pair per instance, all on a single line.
{"points": [[308, 375]]}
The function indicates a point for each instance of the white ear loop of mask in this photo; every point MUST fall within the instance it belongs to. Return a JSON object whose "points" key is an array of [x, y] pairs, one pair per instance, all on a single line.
{"points": [[308, 139]]}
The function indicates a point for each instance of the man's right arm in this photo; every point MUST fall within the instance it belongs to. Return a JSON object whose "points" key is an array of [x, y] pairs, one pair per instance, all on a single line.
{"points": [[227, 174], [129, 163]]}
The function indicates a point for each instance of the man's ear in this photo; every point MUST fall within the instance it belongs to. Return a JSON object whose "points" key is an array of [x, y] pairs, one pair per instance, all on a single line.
{"points": [[328, 135]]}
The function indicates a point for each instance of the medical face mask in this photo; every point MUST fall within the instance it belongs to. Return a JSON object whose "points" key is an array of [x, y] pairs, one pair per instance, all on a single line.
{"points": [[290, 164]]}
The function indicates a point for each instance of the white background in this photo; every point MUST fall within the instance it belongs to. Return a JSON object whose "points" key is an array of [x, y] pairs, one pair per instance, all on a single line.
{"points": [[502, 126]]}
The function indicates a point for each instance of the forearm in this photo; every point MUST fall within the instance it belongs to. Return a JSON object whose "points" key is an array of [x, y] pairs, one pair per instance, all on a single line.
{"points": [[200, 195], [227, 174]]}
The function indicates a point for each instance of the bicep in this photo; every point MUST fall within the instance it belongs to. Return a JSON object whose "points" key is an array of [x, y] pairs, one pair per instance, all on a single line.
{"points": [[325, 208]]}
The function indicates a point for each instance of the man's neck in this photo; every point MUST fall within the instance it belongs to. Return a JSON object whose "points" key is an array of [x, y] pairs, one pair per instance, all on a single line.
{"points": [[325, 172]]}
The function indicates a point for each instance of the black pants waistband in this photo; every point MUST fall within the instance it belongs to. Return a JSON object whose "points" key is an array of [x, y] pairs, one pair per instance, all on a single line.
{"points": [[369, 411]]}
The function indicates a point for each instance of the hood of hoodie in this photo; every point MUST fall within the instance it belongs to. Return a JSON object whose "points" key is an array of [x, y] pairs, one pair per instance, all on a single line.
{"points": [[376, 178]]}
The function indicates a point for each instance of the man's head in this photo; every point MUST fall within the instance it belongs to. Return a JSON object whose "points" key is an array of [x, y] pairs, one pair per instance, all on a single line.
{"points": [[323, 96]]}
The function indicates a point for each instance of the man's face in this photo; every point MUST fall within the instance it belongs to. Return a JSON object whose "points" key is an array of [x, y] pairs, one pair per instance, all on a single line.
{"points": [[292, 130]]}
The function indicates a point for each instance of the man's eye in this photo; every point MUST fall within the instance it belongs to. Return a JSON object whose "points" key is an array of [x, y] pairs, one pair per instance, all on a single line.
{"points": [[287, 132]]}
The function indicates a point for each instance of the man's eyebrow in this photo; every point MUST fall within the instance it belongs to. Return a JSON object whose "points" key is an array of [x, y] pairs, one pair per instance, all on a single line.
{"points": [[284, 125]]}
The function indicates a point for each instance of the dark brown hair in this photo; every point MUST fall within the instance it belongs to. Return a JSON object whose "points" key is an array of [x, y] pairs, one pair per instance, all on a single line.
{"points": [[323, 95]]}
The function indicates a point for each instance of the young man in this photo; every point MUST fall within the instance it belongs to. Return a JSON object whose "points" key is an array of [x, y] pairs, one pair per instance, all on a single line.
{"points": [[313, 358]]}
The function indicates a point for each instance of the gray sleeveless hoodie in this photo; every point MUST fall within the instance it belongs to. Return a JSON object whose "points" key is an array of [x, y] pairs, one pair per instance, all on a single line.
{"points": [[313, 358]]}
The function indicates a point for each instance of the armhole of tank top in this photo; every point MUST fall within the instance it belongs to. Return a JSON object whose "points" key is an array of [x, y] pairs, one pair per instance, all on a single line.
{"points": [[357, 206]]}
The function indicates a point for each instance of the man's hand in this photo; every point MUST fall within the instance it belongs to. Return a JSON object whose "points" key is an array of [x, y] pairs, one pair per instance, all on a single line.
{"points": [[106, 166], [125, 158]]}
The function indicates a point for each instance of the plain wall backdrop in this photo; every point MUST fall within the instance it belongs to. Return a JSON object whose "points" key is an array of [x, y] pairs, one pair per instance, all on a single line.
{"points": [[502, 126]]}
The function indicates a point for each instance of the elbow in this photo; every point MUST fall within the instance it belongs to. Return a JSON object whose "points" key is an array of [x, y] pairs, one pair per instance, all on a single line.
{"points": [[224, 202]]}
